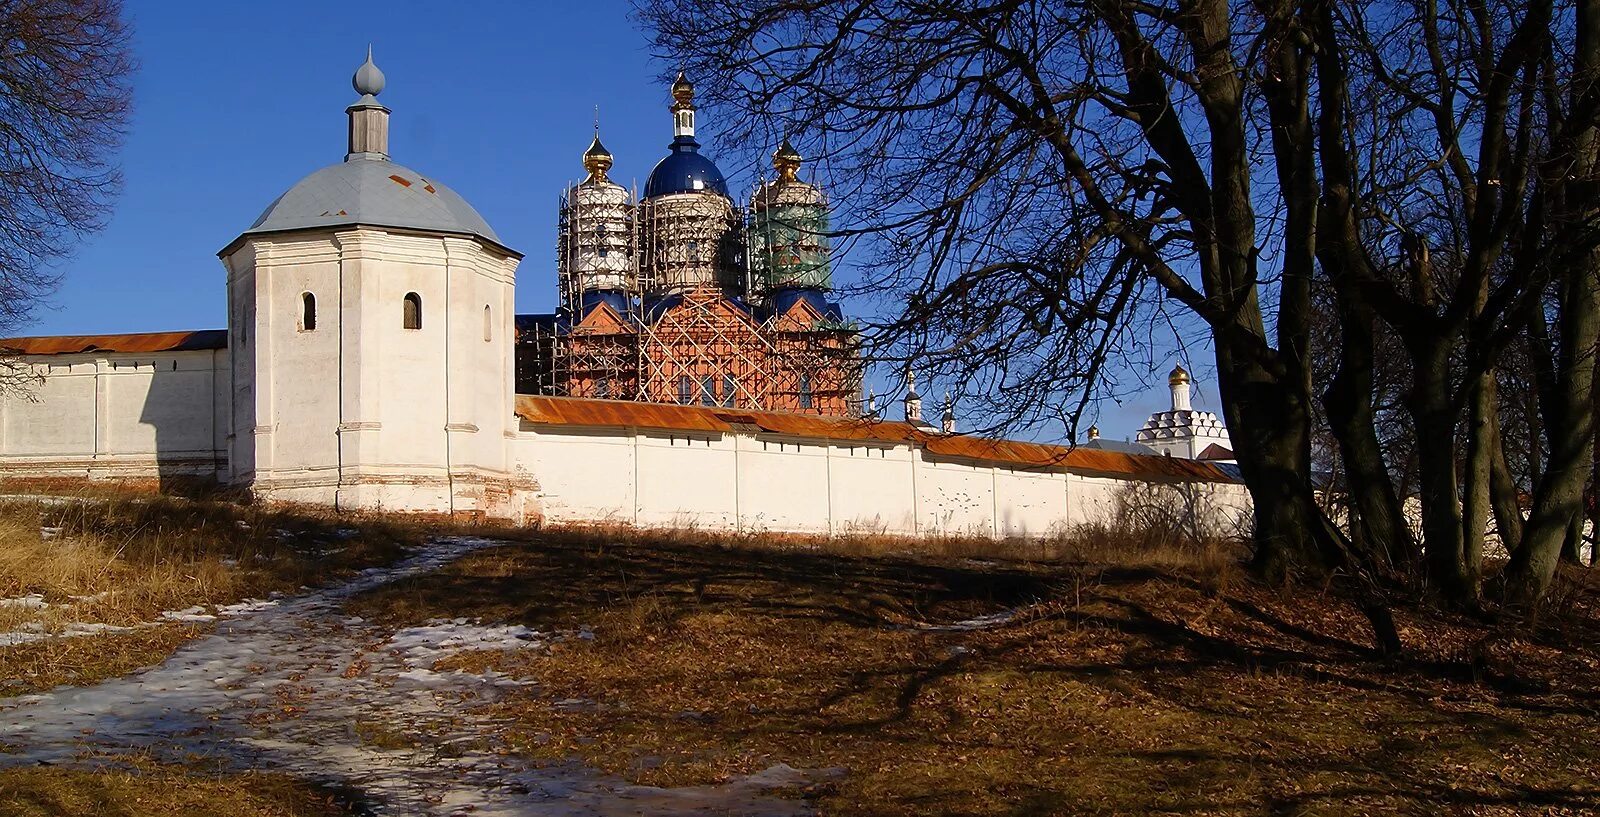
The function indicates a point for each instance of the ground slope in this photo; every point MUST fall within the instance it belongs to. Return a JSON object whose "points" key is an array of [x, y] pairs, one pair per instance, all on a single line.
{"points": [[967, 687], [297, 686]]}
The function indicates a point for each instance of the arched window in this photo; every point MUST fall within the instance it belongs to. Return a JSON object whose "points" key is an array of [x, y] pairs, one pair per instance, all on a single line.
{"points": [[413, 311], [308, 312], [488, 324], [730, 390], [805, 391], [685, 389]]}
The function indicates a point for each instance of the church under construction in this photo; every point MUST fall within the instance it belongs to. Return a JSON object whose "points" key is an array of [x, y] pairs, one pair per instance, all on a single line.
{"points": [[695, 371], [686, 296]]}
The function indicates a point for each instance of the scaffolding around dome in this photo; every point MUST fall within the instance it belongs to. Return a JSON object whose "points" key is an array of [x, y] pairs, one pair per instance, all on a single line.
{"points": [[608, 241], [697, 346], [788, 224], [684, 296], [657, 302]]}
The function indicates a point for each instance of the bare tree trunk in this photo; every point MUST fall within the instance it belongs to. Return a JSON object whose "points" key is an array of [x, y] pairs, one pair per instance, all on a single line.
{"points": [[1503, 489], [1377, 516], [1479, 475], [1559, 497], [1572, 545], [1274, 453], [1558, 500], [1435, 419]]}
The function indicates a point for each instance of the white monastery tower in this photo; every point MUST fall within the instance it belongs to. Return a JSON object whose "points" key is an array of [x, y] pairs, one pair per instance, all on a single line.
{"points": [[596, 243], [371, 338], [1183, 432]]}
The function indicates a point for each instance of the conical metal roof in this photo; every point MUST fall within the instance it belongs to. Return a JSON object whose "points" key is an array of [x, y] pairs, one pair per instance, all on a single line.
{"points": [[374, 193]]}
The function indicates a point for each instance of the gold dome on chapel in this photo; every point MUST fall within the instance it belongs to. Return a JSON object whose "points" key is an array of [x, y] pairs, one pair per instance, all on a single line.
{"points": [[683, 90], [1178, 376], [597, 160], [786, 160]]}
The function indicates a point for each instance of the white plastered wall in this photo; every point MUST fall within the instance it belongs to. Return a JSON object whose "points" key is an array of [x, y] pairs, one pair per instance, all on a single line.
{"points": [[763, 482], [133, 416], [363, 411]]}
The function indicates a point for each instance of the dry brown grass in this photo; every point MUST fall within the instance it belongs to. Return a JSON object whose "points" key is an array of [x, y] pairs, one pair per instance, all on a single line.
{"points": [[1099, 543], [1114, 689], [149, 789], [120, 561], [88, 660]]}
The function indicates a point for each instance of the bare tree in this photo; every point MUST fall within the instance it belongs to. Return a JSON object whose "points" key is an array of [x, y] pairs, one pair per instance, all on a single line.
{"points": [[65, 97], [1040, 179], [1043, 176]]}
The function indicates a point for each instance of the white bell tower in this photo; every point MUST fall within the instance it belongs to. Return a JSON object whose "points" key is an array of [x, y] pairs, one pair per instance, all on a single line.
{"points": [[372, 339], [1183, 432]]}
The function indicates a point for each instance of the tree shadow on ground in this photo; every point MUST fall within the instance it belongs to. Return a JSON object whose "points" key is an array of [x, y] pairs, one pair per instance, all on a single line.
{"points": [[1019, 688]]}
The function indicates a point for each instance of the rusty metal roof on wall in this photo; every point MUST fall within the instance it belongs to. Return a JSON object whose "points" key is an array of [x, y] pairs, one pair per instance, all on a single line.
{"points": [[572, 411], [138, 343]]}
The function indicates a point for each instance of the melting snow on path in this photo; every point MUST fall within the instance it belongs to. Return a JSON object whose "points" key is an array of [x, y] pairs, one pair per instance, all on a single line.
{"points": [[296, 685]]}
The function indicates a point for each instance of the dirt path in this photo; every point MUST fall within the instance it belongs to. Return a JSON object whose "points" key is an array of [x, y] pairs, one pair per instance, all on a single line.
{"points": [[298, 686]]}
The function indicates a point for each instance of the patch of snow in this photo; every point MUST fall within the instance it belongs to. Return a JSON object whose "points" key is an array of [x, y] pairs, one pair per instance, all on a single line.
{"points": [[424, 645], [32, 601], [196, 613], [34, 631], [95, 627], [246, 607], [419, 648], [980, 623], [284, 686], [50, 499]]}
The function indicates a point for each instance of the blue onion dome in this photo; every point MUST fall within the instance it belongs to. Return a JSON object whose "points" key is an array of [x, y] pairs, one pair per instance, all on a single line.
{"points": [[684, 170]]}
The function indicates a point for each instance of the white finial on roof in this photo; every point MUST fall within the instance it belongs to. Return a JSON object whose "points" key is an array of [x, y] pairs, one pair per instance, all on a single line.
{"points": [[913, 401], [682, 107], [369, 120], [368, 80]]}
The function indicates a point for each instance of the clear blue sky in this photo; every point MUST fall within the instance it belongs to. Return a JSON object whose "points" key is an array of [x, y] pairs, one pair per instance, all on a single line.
{"points": [[236, 102]]}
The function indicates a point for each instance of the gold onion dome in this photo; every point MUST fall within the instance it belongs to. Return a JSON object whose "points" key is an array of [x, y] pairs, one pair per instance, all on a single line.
{"points": [[683, 90], [1178, 376], [597, 160], [786, 160]]}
